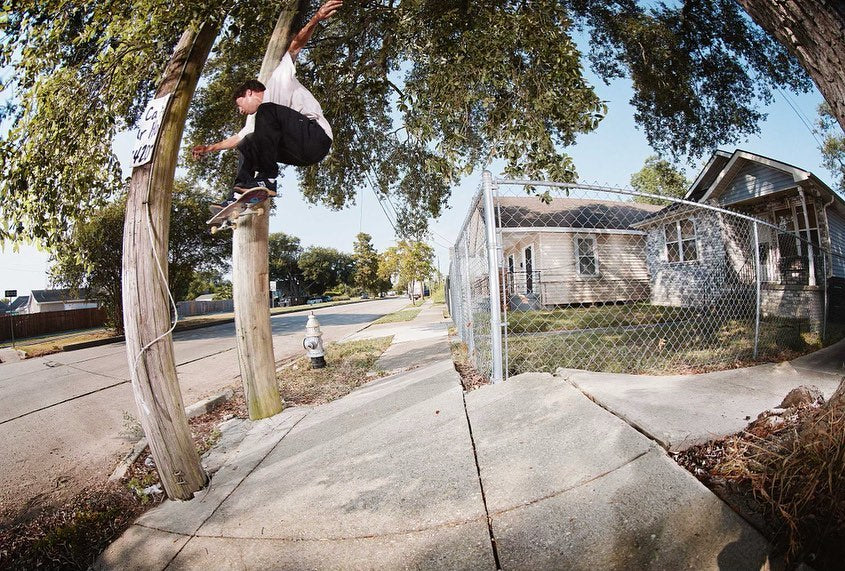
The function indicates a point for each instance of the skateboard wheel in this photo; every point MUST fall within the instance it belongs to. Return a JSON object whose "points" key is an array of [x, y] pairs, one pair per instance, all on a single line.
{"points": [[259, 211], [215, 229]]}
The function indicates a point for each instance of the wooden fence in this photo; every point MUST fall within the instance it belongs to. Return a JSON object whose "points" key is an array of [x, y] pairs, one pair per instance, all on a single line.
{"points": [[35, 324], [189, 308]]}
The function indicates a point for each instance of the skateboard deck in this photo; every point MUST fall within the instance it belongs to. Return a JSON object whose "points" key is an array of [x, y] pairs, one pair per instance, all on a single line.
{"points": [[250, 203]]}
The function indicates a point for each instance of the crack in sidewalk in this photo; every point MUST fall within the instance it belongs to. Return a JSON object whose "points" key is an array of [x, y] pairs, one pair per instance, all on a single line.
{"points": [[481, 485], [576, 485]]}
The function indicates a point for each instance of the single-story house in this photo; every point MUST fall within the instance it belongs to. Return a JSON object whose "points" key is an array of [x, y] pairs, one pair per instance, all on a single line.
{"points": [[4, 307], [42, 300], [19, 304], [699, 257], [572, 250]]}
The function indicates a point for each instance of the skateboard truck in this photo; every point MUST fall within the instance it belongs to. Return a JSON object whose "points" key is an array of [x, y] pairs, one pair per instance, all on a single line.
{"points": [[249, 203], [233, 222]]}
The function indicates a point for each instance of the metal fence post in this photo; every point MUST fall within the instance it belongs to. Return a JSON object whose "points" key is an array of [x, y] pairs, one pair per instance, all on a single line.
{"points": [[493, 276], [758, 280], [466, 311]]}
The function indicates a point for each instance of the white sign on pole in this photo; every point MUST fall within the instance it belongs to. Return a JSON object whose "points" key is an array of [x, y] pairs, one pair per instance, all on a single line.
{"points": [[148, 128], [272, 285]]}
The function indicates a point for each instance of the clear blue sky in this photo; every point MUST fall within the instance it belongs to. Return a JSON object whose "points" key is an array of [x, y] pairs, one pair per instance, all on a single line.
{"points": [[609, 155]]}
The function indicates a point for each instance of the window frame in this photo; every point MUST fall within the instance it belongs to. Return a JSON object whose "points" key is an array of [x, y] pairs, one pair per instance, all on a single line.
{"points": [[577, 256], [679, 240]]}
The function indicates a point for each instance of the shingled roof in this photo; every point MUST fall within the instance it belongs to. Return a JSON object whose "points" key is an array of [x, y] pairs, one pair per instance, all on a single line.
{"points": [[60, 295], [530, 211], [19, 302]]}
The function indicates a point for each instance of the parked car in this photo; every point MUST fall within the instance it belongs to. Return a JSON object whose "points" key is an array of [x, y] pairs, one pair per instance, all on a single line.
{"points": [[365, 295]]}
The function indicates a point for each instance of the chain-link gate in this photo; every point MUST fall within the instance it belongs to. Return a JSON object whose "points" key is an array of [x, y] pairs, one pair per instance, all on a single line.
{"points": [[610, 279]]}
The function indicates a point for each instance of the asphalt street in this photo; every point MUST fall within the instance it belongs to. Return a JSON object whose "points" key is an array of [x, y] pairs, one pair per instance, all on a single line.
{"points": [[63, 416]]}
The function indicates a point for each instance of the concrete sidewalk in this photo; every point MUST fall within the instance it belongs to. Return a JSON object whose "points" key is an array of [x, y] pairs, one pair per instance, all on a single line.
{"points": [[680, 411], [410, 472]]}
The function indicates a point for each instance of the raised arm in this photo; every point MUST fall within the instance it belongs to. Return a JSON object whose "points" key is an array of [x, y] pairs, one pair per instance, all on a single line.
{"points": [[326, 11]]}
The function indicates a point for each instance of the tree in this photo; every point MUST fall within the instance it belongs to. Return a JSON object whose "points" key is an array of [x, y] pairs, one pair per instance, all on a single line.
{"points": [[470, 85], [192, 248], [92, 252], [833, 146], [324, 268], [285, 251], [209, 281], [659, 176], [92, 259], [366, 260], [467, 87], [410, 261], [811, 31]]}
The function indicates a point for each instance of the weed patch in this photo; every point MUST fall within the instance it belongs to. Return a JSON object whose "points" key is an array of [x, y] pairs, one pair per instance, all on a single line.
{"points": [[398, 316], [349, 365]]}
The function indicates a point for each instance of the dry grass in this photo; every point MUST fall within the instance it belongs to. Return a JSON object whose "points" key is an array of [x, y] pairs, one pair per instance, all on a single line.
{"points": [[50, 345], [794, 475], [349, 365]]}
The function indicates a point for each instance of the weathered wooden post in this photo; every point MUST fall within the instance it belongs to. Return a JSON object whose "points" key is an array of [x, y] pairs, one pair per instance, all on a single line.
{"points": [[146, 310], [250, 274]]}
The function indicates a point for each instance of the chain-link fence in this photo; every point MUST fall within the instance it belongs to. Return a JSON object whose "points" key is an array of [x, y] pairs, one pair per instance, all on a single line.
{"points": [[609, 279]]}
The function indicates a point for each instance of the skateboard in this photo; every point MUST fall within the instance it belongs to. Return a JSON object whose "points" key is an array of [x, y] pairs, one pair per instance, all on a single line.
{"points": [[250, 203]]}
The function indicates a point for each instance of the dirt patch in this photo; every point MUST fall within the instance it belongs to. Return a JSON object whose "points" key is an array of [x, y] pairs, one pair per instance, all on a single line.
{"points": [[471, 379], [71, 534]]}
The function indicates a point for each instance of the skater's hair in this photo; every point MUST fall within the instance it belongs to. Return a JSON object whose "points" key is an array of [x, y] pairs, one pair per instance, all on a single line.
{"points": [[252, 85]]}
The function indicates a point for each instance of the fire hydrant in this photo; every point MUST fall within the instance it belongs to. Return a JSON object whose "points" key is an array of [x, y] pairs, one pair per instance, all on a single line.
{"points": [[313, 342]]}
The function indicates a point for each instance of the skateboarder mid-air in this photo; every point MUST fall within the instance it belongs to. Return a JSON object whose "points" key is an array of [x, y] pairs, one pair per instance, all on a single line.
{"points": [[285, 123]]}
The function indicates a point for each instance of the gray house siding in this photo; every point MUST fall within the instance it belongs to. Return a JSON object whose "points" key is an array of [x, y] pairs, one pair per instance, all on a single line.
{"points": [[688, 283], [837, 242], [755, 180]]}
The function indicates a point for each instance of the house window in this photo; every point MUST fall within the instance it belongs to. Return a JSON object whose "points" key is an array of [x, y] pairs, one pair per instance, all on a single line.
{"points": [[586, 257], [680, 241]]}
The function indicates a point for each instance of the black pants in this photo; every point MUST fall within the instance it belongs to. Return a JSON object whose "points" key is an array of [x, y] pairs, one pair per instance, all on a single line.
{"points": [[281, 135]]}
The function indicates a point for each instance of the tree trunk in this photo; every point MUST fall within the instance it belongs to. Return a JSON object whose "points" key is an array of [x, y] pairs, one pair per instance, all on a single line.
{"points": [[146, 307], [814, 32], [250, 273]]}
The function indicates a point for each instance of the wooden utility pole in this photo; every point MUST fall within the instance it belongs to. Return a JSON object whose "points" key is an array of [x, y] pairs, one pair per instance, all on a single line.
{"points": [[250, 273], [146, 307]]}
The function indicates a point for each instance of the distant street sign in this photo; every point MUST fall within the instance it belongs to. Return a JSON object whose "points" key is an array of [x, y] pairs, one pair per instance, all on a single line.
{"points": [[11, 293], [272, 285]]}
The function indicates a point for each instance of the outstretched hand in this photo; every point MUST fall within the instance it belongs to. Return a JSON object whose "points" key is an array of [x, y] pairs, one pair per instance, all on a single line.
{"points": [[199, 151], [328, 9]]}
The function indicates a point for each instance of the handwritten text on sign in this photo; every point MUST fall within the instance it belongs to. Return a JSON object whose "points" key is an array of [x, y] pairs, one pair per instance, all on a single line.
{"points": [[148, 128]]}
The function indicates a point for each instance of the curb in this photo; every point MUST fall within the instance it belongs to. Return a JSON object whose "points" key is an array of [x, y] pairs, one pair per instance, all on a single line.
{"points": [[192, 411]]}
